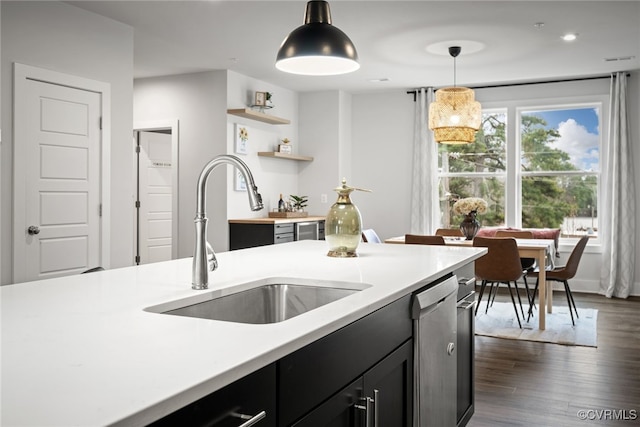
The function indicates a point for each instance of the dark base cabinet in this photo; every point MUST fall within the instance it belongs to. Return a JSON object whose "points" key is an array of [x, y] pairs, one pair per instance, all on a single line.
{"points": [[342, 379], [242, 236], [232, 405], [465, 350], [250, 235], [385, 391], [360, 351]]}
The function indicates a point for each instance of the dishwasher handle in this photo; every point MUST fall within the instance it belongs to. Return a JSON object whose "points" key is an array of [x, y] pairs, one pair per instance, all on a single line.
{"points": [[466, 304], [429, 299]]}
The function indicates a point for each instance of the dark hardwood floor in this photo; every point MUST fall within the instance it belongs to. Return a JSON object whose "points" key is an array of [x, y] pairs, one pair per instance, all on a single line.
{"points": [[522, 383]]}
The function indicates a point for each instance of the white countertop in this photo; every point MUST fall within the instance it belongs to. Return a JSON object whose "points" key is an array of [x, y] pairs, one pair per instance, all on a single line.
{"points": [[81, 350]]}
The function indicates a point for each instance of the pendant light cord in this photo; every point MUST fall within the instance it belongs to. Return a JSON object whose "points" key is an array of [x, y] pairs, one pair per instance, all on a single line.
{"points": [[454, 71]]}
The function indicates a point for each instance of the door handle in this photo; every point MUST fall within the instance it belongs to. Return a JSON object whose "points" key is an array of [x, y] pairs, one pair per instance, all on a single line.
{"points": [[376, 396], [367, 408], [33, 229], [250, 420]]}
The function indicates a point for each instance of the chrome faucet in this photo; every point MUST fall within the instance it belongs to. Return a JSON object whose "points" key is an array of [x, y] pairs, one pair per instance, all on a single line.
{"points": [[204, 259]]}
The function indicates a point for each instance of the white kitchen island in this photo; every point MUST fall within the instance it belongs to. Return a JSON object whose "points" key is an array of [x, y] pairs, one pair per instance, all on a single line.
{"points": [[82, 350]]}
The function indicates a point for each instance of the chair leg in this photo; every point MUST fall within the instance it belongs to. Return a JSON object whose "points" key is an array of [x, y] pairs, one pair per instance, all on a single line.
{"points": [[515, 284], [483, 284], [570, 301], [493, 289], [533, 297], [532, 302], [514, 305]]}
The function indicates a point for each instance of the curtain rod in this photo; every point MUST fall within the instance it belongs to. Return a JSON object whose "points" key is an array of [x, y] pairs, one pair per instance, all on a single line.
{"points": [[415, 92]]}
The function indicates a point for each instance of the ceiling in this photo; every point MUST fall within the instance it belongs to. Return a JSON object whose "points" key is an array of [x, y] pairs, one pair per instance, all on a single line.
{"points": [[403, 43]]}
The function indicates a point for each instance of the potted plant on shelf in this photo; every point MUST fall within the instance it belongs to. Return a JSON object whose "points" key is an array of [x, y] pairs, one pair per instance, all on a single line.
{"points": [[298, 202]]}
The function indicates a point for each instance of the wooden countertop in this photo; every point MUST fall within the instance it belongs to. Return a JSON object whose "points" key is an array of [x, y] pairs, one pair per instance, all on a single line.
{"points": [[275, 220]]}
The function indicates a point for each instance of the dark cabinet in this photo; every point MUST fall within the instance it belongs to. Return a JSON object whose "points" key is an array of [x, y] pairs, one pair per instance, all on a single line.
{"points": [[344, 409], [243, 236], [362, 369], [390, 385], [383, 396], [248, 235], [250, 397], [312, 375], [465, 359]]}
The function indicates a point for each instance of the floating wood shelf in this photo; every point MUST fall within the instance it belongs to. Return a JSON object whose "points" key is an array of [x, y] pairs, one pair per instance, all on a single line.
{"points": [[257, 115], [278, 155]]}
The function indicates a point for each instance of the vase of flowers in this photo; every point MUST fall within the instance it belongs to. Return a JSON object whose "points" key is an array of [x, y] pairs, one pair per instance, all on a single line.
{"points": [[470, 207]]}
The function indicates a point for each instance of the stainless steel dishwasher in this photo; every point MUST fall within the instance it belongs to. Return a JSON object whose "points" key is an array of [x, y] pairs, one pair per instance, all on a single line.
{"points": [[435, 323]]}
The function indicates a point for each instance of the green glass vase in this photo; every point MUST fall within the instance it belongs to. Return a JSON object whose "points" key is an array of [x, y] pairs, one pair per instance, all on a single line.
{"points": [[343, 224]]}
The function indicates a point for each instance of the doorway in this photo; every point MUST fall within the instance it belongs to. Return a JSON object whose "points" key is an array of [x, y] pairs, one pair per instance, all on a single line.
{"points": [[156, 192]]}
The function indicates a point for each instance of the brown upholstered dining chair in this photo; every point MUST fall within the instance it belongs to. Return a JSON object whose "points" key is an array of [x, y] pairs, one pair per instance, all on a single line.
{"points": [[370, 236], [421, 239], [563, 274], [528, 264], [517, 234], [449, 232], [501, 265]]}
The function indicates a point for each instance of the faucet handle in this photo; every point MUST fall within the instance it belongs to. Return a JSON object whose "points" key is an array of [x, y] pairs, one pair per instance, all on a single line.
{"points": [[212, 261]]}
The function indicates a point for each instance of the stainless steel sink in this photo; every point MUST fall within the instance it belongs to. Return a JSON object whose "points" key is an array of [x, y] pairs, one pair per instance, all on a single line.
{"points": [[270, 301]]}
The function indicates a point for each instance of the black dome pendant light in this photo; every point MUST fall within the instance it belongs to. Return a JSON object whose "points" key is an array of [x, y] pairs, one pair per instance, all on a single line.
{"points": [[317, 48]]}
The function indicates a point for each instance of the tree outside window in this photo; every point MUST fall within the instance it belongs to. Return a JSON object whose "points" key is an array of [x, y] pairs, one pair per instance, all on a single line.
{"points": [[558, 171], [560, 168], [475, 170]]}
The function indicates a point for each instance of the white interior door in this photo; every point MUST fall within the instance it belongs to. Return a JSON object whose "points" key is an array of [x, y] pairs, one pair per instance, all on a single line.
{"points": [[155, 221], [62, 180]]}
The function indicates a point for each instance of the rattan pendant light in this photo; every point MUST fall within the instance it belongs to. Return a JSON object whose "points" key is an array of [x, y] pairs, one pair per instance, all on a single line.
{"points": [[317, 48], [455, 116]]}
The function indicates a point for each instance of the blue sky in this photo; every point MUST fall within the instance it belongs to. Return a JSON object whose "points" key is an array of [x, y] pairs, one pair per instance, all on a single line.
{"points": [[579, 134], [587, 117]]}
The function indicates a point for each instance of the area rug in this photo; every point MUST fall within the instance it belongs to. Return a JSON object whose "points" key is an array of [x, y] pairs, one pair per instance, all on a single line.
{"points": [[500, 322]]}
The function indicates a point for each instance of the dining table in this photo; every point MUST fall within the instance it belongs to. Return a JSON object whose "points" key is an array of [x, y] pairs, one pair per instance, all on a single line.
{"points": [[543, 250]]}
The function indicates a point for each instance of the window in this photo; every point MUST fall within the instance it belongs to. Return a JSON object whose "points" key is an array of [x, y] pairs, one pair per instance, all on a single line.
{"points": [[560, 168], [476, 170], [545, 172]]}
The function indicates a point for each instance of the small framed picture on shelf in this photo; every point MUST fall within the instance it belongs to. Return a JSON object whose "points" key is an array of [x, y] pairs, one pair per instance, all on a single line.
{"points": [[261, 99], [284, 148], [239, 183], [241, 139]]}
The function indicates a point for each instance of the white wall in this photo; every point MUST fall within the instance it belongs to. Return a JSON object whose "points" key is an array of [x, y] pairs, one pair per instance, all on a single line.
{"points": [[325, 128], [272, 176], [199, 102], [382, 155], [382, 137], [66, 39]]}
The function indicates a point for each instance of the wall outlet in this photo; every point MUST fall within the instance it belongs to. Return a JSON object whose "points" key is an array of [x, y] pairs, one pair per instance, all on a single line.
{"points": [[323, 198]]}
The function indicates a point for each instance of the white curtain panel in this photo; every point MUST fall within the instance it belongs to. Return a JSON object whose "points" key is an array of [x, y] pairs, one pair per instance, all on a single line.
{"points": [[425, 209], [618, 233]]}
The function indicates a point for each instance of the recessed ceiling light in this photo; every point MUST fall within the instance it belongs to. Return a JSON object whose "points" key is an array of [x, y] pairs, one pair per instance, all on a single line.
{"points": [[569, 37], [620, 58], [380, 80], [539, 25]]}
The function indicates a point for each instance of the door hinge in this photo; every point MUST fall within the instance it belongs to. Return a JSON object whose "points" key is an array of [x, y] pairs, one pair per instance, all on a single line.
{"points": [[100, 123], [137, 203], [138, 149], [137, 259], [100, 209]]}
